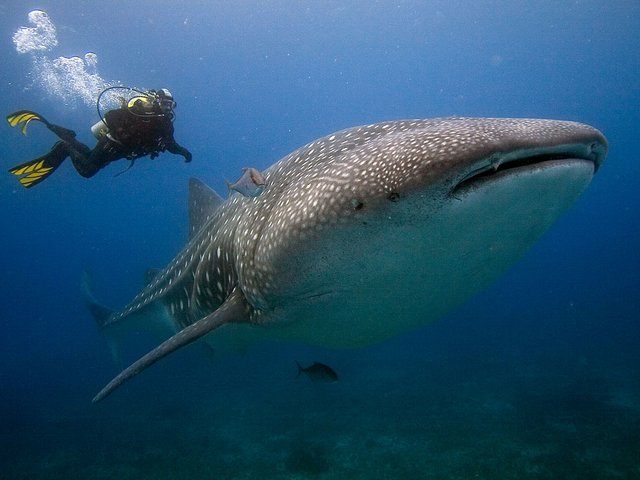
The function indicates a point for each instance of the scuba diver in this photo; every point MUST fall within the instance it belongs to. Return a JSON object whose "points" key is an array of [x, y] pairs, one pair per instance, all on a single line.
{"points": [[141, 126]]}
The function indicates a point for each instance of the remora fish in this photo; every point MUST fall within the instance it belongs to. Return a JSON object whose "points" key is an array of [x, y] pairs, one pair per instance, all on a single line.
{"points": [[318, 372], [363, 234], [251, 184]]}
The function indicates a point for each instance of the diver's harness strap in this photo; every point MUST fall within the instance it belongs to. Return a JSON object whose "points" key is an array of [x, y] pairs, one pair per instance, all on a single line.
{"points": [[133, 156], [101, 130], [160, 147]]}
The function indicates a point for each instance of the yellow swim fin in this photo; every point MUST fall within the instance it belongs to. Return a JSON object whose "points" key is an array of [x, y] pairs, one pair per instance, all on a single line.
{"points": [[24, 117], [35, 171]]}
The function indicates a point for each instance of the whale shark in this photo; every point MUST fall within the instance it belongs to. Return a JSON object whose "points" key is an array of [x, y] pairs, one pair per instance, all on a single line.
{"points": [[360, 235]]}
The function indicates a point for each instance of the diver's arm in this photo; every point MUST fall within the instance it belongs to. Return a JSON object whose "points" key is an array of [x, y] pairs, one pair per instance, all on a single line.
{"points": [[179, 150]]}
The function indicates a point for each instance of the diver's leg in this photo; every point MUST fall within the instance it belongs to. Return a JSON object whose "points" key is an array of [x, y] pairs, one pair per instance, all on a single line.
{"points": [[35, 171], [63, 133], [85, 162], [79, 152], [88, 162]]}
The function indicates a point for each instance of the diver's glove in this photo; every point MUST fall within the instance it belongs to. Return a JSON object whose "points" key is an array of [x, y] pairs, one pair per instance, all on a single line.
{"points": [[179, 150]]}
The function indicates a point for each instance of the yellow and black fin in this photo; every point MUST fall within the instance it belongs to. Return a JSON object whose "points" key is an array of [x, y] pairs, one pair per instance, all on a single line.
{"points": [[35, 171], [24, 117]]}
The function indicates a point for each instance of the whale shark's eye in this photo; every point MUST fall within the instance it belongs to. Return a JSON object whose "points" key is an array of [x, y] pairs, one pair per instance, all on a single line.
{"points": [[357, 204], [393, 197]]}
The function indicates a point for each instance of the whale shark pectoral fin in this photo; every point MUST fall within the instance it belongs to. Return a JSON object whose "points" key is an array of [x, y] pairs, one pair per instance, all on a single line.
{"points": [[233, 310]]}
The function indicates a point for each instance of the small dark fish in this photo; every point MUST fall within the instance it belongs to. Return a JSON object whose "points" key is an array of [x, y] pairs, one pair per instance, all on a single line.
{"points": [[318, 372], [251, 184]]}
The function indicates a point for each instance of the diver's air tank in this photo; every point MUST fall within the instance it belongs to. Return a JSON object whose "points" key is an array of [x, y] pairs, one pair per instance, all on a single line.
{"points": [[100, 129]]}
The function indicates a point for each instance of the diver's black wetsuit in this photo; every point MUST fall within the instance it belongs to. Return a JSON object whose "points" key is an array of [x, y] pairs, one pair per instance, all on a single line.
{"points": [[130, 136]]}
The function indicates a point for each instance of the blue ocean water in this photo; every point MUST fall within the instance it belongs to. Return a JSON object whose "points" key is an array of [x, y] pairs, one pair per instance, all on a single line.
{"points": [[538, 376]]}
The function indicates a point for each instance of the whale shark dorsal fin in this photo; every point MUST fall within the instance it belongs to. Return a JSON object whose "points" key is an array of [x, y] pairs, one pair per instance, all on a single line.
{"points": [[203, 201]]}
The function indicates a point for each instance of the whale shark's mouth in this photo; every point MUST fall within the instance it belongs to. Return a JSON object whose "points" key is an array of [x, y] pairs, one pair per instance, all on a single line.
{"points": [[500, 167]]}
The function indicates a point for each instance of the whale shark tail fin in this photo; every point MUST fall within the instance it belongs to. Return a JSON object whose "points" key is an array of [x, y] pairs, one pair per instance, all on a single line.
{"points": [[101, 314]]}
